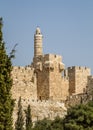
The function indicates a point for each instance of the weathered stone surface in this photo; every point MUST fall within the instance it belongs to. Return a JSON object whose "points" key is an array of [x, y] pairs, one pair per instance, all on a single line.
{"points": [[42, 109], [48, 81], [24, 83], [78, 79]]}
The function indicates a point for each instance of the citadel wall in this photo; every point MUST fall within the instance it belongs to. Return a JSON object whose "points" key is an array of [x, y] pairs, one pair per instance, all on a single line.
{"points": [[41, 109], [65, 88], [90, 85], [78, 79], [77, 99], [82, 74], [43, 87], [24, 83]]}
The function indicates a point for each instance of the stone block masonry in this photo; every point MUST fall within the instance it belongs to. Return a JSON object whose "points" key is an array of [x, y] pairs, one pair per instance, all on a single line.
{"points": [[24, 83], [46, 84], [78, 79], [42, 109]]}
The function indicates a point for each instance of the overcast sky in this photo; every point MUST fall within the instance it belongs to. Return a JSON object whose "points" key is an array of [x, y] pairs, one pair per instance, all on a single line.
{"points": [[66, 25]]}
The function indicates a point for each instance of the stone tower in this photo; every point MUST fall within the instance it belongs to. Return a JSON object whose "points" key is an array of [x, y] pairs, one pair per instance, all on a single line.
{"points": [[38, 43], [48, 69]]}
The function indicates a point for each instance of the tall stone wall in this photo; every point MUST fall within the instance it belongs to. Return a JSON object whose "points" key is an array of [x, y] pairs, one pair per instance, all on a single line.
{"points": [[90, 85], [41, 109], [77, 99], [78, 79], [65, 88], [45, 89], [24, 83], [81, 77]]}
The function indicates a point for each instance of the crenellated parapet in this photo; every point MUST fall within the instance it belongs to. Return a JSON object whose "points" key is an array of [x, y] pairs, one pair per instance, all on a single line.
{"points": [[80, 68], [48, 62], [41, 109], [24, 82]]}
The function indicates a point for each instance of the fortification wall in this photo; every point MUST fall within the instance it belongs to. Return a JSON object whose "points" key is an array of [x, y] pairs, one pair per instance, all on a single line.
{"points": [[24, 83], [74, 100], [78, 79], [81, 81], [65, 88], [41, 109], [90, 85]]}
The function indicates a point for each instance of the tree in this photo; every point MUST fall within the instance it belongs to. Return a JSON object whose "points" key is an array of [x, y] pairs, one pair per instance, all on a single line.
{"points": [[19, 125], [57, 124], [79, 118], [28, 118], [6, 101], [47, 124], [42, 125]]}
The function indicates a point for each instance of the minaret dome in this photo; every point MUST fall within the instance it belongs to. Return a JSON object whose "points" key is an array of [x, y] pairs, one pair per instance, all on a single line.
{"points": [[38, 30]]}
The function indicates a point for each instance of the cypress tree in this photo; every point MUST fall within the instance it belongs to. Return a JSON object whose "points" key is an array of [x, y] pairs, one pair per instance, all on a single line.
{"points": [[19, 125], [6, 101], [28, 118]]}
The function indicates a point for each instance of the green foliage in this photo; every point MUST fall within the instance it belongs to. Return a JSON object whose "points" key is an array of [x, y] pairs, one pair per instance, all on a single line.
{"points": [[46, 124], [28, 118], [42, 125], [79, 117], [57, 124], [6, 101], [19, 125]]}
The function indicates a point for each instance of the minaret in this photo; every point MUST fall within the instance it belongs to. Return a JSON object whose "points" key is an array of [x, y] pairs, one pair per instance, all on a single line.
{"points": [[38, 49]]}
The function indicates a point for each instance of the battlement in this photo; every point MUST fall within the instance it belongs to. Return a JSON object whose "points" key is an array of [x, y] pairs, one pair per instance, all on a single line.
{"points": [[27, 101], [24, 82], [48, 61], [22, 71], [41, 109], [79, 68], [52, 57], [21, 68], [90, 77], [52, 61]]}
